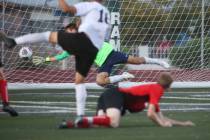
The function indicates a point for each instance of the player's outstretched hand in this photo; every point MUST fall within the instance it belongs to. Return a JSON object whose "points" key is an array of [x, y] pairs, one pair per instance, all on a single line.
{"points": [[37, 60], [167, 124], [189, 123]]}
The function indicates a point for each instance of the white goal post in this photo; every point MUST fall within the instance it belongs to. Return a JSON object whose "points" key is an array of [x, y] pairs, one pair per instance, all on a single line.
{"points": [[177, 31]]}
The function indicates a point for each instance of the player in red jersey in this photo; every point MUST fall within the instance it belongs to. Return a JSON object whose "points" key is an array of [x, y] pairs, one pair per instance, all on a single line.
{"points": [[114, 102], [4, 94]]}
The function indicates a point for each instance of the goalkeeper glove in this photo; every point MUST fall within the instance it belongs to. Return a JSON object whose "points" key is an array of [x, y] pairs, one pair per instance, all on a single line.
{"points": [[37, 60], [47, 59]]}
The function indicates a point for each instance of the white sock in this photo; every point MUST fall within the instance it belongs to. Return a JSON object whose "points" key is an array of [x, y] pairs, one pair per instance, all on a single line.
{"points": [[116, 78], [81, 95], [33, 38], [151, 60]]}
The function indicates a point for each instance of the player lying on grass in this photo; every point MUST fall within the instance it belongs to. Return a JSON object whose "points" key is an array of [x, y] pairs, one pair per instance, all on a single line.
{"points": [[106, 58], [113, 103], [4, 94], [84, 45]]}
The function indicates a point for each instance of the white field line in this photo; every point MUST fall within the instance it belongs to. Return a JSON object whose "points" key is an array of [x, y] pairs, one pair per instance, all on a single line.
{"points": [[51, 112], [187, 109], [187, 98], [200, 95], [48, 107], [48, 112], [190, 104], [188, 92], [94, 103], [95, 93], [44, 107], [72, 109], [55, 109], [51, 94], [49, 103], [89, 111]]}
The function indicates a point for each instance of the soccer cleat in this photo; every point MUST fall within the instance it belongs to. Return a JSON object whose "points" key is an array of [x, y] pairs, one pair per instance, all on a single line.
{"points": [[78, 121], [127, 75], [66, 124], [164, 64], [10, 110], [81, 122], [9, 42]]}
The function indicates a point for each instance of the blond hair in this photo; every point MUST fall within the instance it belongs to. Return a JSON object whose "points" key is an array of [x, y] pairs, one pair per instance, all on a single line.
{"points": [[165, 80]]}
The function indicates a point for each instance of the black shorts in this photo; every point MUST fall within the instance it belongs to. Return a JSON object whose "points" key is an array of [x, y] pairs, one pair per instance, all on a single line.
{"points": [[111, 98], [114, 58], [80, 45]]}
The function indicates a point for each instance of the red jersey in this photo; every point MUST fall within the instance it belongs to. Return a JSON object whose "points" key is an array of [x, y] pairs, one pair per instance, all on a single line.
{"points": [[141, 94]]}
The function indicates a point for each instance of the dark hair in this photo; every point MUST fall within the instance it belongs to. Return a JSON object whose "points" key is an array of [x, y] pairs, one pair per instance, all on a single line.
{"points": [[71, 26], [99, 0]]}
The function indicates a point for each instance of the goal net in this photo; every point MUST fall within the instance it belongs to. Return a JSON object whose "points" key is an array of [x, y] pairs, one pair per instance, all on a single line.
{"points": [[176, 31]]}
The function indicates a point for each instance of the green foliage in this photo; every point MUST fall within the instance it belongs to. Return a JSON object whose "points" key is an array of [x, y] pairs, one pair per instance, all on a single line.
{"points": [[144, 22], [189, 55]]}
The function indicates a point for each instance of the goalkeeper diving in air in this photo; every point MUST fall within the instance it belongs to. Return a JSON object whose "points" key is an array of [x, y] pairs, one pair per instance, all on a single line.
{"points": [[106, 58]]}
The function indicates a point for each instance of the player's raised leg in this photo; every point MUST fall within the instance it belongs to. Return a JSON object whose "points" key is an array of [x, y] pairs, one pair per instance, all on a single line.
{"points": [[48, 36], [146, 60]]}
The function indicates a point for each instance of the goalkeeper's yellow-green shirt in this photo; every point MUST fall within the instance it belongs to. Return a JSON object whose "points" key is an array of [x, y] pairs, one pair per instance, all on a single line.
{"points": [[103, 54], [100, 57]]}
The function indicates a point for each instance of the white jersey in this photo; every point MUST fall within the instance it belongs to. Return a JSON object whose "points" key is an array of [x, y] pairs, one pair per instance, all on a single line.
{"points": [[95, 21]]}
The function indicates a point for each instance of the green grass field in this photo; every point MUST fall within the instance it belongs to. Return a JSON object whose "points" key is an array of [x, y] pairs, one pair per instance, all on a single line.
{"points": [[41, 113]]}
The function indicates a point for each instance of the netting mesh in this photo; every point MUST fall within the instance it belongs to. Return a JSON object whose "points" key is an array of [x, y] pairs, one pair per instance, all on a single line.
{"points": [[176, 31]]}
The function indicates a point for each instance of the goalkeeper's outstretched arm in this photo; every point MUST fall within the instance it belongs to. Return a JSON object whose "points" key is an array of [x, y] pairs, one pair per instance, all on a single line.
{"points": [[37, 60], [58, 57]]}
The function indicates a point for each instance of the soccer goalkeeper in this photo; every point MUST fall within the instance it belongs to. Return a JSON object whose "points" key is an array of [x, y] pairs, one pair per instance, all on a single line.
{"points": [[106, 58]]}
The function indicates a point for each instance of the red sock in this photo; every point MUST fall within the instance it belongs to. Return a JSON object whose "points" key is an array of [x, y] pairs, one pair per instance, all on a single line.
{"points": [[3, 91], [96, 120], [101, 120], [84, 123]]}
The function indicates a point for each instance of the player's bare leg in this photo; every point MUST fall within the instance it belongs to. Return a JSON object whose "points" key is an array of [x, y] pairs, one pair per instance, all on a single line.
{"points": [[100, 112], [146, 60], [136, 60], [115, 115], [103, 78]]}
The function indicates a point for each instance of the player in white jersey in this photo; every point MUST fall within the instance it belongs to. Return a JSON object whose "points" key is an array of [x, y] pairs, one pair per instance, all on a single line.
{"points": [[95, 21]]}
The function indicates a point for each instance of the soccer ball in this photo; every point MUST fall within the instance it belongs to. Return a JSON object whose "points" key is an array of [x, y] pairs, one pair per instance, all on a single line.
{"points": [[25, 52]]}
